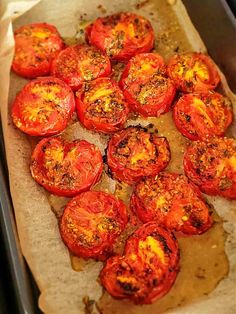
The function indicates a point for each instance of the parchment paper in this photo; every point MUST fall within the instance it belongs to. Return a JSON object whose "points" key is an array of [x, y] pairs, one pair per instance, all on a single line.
{"points": [[62, 289]]}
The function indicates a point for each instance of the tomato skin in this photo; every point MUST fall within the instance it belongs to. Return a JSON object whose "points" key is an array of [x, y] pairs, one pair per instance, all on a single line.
{"points": [[202, 115], [77, 64], [143, 274], [66, 169], [134, 153], [35, 47], [121, 35], [173, 202], [193, 72], [107, 112], [145, 88], [91, 223], [43, 107], [210, 164]]}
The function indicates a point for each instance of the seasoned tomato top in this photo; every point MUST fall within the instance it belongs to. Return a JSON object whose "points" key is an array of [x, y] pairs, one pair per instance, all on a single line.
{"points": [[134, 152], [35, 47], [101, 106], [66, 168], [43, 107], [202, 115], [141, 68], [211, 164], [172, 201], [80, 63], [91, 222], [121, 35], [193, 72]]}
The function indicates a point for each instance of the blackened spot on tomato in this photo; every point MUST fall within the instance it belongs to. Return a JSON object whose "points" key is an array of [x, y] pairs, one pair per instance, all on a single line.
{"points": [[163, 242], [128, 287], [187, 118], [197, 223], [198, 170], [188, 84], [155, 282]]}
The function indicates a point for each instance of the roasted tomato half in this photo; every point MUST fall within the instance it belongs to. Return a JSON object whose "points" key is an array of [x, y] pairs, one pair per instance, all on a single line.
{"points": [[43, 107], [65, 168], [145, 88], [36, 45], [172, 201], [80, 63], [211, 164], [202, 115], [193, 72], [148, 269], [141, 68], [101, 106], [134, 153], [91, 223], [121, 35]]}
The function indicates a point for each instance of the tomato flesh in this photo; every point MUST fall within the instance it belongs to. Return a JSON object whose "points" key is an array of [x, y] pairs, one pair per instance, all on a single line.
{"points": [[173, 202], [148, 269], [80, 63], [101, 106], [202, 115], [64, 168], [91, 223], [193, 72], [145, 88], [211, 164], [43, 107], [134, 153], [121, 35], [36, 45]]}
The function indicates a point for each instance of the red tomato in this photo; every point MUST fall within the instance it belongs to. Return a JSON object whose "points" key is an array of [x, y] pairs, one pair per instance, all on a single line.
{"points": [[121, 35], [80, 63], [35, 47], [65, 168], [134, 153], [198, 116], [193, 72], [141, 68], [211, 164], [173, 202], [101, 106], [43, 107], [145, 88], [148, 269], [91, 223]]}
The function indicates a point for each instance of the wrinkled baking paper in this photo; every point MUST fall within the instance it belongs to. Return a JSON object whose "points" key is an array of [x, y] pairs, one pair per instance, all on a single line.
{"points": [[62, 289]]}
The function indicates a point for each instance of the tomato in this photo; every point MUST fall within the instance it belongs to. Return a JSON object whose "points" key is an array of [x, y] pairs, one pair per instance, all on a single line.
{"points": [[121, 35], [134, 153], [65, 168], [145, 88], [148, 269], [101, 106], [211, 164], [173, 202], [202, 115], [141, 68], [91, 223], [36, 45], [80, 63], [193, 72], [43, 107]]}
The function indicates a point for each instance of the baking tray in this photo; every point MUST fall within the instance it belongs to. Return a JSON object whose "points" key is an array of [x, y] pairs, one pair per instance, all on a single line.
{"points": [[216, 24]]}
